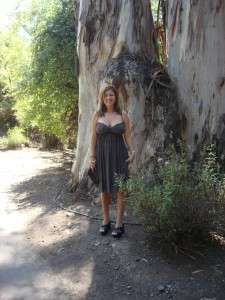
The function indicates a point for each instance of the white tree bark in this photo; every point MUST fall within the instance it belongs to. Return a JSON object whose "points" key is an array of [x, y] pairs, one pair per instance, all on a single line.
{"points": [[115, 46], [196, 62]]}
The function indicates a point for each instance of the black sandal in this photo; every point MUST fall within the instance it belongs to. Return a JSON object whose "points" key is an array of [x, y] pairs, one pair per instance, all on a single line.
{"points": [[118, 231], [105, 228]]}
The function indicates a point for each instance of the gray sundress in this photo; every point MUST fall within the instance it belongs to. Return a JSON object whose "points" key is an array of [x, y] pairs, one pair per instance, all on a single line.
{"points": [[111, 153]]}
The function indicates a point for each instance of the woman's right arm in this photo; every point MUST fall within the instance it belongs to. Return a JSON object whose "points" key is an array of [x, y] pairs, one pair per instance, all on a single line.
{"points": [[93, 140]]}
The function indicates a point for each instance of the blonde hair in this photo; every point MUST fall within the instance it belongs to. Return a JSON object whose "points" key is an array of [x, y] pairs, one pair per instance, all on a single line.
{"points": [[102, 108]]}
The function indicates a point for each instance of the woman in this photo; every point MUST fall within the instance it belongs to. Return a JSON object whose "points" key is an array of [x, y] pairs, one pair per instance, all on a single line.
{"points": [[110, 138]]}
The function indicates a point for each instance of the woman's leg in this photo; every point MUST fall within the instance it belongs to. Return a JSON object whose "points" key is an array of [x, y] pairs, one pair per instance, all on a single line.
{"points": [[105, 197], [120, 209]]}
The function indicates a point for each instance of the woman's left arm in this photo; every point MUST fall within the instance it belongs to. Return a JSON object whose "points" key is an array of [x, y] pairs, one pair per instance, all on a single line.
{"points": [[127, 137]]}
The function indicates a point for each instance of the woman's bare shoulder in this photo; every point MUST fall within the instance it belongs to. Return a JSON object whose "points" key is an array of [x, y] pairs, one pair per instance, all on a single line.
{"points": [[95, 115]]}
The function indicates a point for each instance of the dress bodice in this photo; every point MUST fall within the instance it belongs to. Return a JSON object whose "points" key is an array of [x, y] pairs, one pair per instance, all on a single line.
{"points": [[102, 128]]}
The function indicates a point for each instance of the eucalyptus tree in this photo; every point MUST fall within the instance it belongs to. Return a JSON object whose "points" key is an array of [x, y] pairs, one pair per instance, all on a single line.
{"points": [[116, 45], [196, 63]]}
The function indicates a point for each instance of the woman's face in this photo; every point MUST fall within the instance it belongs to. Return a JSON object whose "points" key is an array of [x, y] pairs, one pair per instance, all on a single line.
{"points": [[109, 98]]}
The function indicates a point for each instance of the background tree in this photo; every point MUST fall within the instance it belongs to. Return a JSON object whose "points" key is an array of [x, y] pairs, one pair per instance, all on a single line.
{"points": [[196, 61], [13, 55], [7, 114], [43, 84]]}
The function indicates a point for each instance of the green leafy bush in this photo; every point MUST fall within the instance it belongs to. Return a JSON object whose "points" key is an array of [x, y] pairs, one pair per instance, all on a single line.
{"points": [[15, 138], [177, 200], [38, 82]]}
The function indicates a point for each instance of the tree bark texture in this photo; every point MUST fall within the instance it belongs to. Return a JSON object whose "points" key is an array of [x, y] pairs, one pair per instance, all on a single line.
{"points": [[116, 46], [196, 62]]}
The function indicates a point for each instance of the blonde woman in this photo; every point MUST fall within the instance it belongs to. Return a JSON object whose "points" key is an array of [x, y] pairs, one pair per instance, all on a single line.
{"points": [[109, 146]]}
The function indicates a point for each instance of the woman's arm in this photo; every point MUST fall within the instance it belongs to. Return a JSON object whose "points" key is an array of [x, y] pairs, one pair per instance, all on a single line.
{"points": [[127, 137], [93, 139]]}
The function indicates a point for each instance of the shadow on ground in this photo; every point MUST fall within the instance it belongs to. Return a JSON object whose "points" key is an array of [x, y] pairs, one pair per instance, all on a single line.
{"points": [[78, 263]]}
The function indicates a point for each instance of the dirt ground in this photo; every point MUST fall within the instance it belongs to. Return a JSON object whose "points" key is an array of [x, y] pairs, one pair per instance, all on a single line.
{"points": [[51, 253]]}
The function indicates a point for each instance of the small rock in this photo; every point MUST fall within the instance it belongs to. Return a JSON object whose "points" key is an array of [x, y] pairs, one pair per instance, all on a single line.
{"points": [[137, 259], [129, 287], [161, 288], [61, 249]]}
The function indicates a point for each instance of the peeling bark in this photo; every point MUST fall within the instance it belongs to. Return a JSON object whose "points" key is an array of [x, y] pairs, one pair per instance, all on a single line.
{"points": [[196, 60], [115, 46]]}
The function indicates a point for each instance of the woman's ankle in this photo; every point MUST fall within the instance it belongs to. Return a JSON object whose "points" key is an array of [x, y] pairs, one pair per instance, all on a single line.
{"points": [[105, 221], [119, 223]]}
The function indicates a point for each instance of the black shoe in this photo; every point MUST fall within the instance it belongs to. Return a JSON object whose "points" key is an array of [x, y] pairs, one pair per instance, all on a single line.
{"points": [[105, 228], [118, 231]]}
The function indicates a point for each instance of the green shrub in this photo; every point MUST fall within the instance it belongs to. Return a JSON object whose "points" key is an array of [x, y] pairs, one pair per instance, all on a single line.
{"points": [[176, 200], [15, 138]]}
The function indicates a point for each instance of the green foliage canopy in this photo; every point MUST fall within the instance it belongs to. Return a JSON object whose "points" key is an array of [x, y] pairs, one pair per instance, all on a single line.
{"points": [[13, 58], [44, 86]]}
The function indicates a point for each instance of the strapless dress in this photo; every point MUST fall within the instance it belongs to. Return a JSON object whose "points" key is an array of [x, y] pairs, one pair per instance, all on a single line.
{"points": [[111, 153]]}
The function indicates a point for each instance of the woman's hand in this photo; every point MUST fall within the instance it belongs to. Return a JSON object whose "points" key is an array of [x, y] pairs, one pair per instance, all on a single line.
{"points": [[127, 137], [92, 163], [131, 158]]}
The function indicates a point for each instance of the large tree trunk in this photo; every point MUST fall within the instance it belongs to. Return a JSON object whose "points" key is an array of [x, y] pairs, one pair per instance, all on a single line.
{"points": [[115, 46], [196, 61]]}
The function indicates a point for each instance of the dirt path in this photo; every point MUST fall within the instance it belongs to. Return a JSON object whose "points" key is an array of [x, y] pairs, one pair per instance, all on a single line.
{"points": [[48, 253]]}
